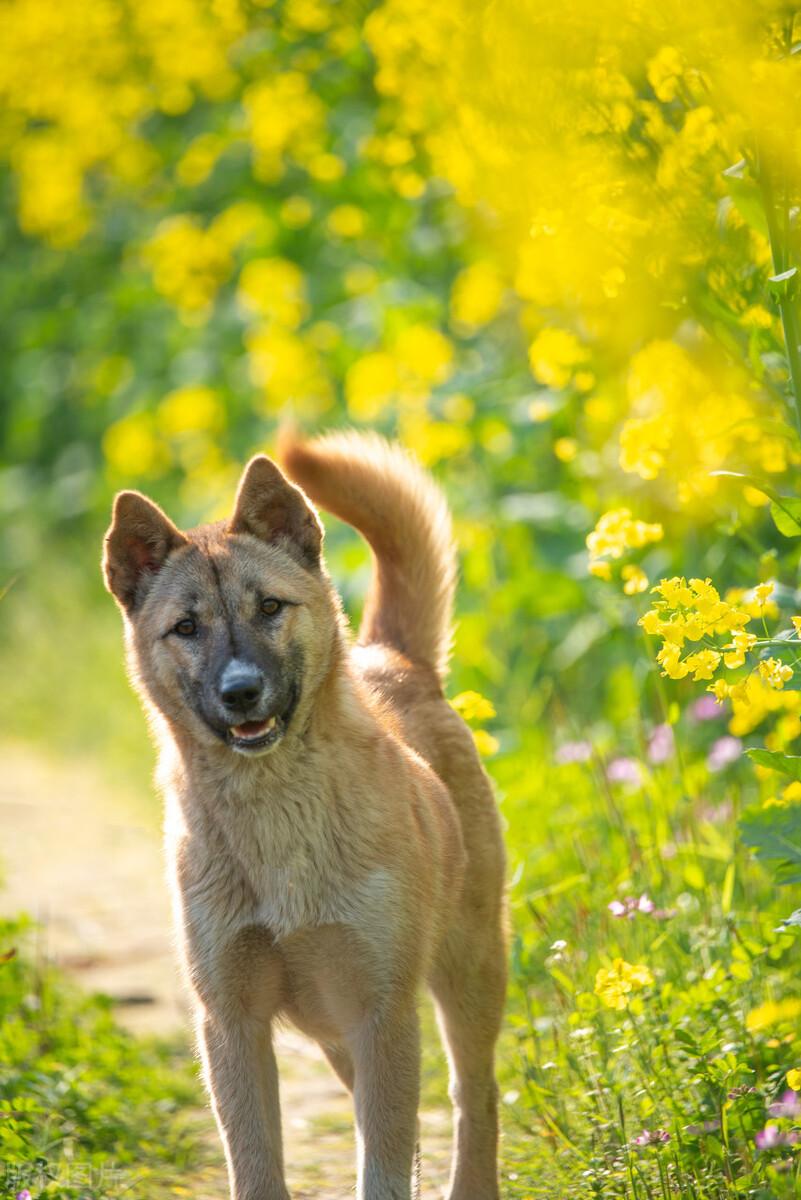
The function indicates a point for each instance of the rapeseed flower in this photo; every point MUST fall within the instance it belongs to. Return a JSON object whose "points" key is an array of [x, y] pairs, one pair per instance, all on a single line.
{"points": [[614, 985]]}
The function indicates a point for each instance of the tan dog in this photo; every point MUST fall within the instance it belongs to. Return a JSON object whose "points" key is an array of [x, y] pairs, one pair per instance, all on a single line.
{"points": [[331, 835]]}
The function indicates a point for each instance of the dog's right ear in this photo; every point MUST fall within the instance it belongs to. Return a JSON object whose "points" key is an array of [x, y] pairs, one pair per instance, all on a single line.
{"points": [[136, 546]]}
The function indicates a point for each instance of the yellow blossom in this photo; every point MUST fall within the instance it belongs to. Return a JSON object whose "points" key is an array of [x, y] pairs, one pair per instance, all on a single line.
{"points": [[554, 354], [740, 644], [565, 449], [635, 579], [669, 659], [773, 1012], [601, 569], [472, 706], [273, 288], [703, 664], [775, 673], [615, 984], [476, 294], [617, 531]]}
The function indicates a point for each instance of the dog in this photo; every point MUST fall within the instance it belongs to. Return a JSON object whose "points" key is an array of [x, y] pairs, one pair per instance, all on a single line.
{"points": [[331, 836]]}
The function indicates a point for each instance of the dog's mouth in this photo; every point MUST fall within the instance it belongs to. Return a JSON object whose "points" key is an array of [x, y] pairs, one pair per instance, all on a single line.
{"points": [[255, 737]]}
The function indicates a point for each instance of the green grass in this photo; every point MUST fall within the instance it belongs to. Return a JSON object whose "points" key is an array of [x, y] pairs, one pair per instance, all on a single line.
{"points": [[702, 1051], [86, 1109]]}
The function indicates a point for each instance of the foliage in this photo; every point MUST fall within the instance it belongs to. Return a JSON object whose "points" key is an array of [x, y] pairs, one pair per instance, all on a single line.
{"points": [[556, 252], [86, 1110]]}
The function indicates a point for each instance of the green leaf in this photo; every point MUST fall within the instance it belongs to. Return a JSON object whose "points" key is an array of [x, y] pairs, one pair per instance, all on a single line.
{"points": [[787, 516], [776, 760], [785, 510], [774, 834], [784, 283]]}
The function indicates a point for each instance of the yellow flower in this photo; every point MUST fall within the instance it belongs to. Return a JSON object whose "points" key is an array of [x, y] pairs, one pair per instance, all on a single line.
{"points": [[719, 689], [565, 449], [669, 658], [740, 644], [370, 384], [553, 356], [651, 622], [476, 294], [190, 410], [472, 706], [486, 744], [763, 592], [614, 984], [274, 288], [601, 569], [703, 664], [424, 353], [796, 625], [775, 673], [189, 263], [347, 221], [635, 579], [675, 591], [794, 1079], [772, 1012], [617, 531]]}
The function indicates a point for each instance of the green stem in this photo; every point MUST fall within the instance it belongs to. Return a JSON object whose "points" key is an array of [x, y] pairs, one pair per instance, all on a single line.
{"points": [[780, 253]]}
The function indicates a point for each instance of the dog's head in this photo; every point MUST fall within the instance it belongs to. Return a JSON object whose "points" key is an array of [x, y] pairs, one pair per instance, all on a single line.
{"points": [[231, 627]]}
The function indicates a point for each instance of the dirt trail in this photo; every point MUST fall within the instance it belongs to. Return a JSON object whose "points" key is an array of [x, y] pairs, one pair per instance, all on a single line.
{"points": [[88, 867]]}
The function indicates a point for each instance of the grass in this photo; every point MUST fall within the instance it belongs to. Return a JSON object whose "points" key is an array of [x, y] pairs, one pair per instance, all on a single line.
{"points": [[86, 1110], [667, 1094]]}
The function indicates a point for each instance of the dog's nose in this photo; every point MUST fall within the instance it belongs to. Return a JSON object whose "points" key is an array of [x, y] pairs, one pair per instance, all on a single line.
{"points": [[241, 685]]}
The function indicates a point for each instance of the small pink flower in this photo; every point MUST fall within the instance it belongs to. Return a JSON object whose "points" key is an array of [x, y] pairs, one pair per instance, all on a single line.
{"points": [[631, 905], [706, 708], [788, 1105], [24, 1195], [573, 752], [661, 744], [771, 1137], [625, 770], [651, 1137], [724, 751]]}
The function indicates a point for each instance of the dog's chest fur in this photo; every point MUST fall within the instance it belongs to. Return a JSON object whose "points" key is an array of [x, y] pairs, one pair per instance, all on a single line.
{"points": [[283, 854]]}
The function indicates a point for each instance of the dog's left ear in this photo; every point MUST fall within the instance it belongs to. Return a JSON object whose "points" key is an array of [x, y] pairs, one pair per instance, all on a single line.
{"points": [[273, 509]]}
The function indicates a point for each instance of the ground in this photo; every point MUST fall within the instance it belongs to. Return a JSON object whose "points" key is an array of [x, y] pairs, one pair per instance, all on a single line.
{"points": [[86, 864]]}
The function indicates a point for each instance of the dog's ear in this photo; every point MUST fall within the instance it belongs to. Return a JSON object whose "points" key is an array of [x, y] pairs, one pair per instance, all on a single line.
{"points": [[136, 546], [273, 509]]}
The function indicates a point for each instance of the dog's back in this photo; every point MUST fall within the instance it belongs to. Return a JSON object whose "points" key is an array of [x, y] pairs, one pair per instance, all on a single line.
{"points": [[405, 635]]}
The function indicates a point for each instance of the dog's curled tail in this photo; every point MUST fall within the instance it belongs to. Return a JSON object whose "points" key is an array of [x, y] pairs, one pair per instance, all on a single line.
{"points": [[379, 489]]}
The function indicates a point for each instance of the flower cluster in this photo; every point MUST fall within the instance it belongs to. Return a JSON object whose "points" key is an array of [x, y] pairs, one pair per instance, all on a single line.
{"points": [[630, 906], [694, 612], [617, 532], [615, 217], [615, 984]]}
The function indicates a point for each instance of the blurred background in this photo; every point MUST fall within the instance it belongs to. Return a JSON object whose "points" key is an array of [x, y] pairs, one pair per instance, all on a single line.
{"points": [[552, 250]]}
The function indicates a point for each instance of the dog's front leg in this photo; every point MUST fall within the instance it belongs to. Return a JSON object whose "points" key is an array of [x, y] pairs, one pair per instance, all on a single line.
{"points": [[242, 1079], [386, 1059]]}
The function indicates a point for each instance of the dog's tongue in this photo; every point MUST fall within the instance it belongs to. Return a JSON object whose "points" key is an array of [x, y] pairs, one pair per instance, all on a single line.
{"points": [[252, 728]]}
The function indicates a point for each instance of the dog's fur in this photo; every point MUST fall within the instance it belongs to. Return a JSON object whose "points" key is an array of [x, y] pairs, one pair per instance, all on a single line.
{"points": [[357, 854]]}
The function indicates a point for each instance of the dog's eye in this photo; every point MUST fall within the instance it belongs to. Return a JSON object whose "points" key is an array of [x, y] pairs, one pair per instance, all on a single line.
{"points": [[186, 627], [271, 606]]}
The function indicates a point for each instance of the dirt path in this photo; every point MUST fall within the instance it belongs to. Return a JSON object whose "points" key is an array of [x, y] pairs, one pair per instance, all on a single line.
{"points": [[89, 869]]}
